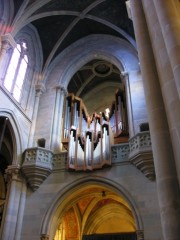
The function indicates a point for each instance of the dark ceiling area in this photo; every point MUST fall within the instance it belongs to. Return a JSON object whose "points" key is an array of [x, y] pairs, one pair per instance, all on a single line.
{"points": [[67, 21], [92, 75], [60, 23]]}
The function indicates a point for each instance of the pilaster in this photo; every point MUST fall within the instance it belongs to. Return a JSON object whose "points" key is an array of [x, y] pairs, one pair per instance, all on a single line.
{"points": [[12, 220], [125, 78], [57, 119], [40, 88]]}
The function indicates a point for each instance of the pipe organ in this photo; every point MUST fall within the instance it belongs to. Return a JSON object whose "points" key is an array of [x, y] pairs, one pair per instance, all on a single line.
{"points": [[118, 116], [87, 138]]}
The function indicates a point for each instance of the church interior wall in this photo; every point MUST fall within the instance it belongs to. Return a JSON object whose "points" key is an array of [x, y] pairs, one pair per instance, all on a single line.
{"points": [[141, 190]]}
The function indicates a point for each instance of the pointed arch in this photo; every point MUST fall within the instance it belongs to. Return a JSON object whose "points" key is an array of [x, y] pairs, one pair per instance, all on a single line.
{"points": [[15, 135], [60, 202], [105, 47]]}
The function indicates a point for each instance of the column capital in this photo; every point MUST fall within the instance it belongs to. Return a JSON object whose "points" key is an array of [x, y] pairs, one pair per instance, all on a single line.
{"points": [[8, 40], [124, 75], [61, 88], [140, 234], [13, 173], [40, 88], [44, 237]]}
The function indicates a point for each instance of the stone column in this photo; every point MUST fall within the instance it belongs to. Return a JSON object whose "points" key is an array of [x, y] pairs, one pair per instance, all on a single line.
{"points": [[14, 208], [167, 13], [135, 100], [125, 79], [39, 90], [166, 77], [166, 176], [57, 119]]}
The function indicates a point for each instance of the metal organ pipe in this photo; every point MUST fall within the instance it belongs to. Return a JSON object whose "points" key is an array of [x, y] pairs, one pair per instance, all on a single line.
{"points": [[72, 148], [80, 155], [88, 143]]}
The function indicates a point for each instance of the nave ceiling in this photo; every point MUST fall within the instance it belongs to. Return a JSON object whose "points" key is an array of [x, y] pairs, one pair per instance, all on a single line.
{"points": [[60, 23]]}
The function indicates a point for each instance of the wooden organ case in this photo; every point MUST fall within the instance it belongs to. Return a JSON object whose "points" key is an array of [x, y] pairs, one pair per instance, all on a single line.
{"points": [[118, 118], [88, 139]]}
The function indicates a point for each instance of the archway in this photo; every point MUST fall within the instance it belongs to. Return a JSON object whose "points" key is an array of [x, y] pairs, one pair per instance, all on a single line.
{"points": [[10, 154], [91, 205], [6, 158]]}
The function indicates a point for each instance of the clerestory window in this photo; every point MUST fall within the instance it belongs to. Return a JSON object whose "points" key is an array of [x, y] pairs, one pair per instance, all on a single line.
{"points": [[16, 71]]}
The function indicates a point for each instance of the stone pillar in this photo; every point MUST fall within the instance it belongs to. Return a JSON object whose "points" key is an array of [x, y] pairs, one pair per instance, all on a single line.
{"points": [[166, 77], [125, 79], [57, 119], [39, 90], [137, 110], [166, 176], [167, 13], [14, 208]]}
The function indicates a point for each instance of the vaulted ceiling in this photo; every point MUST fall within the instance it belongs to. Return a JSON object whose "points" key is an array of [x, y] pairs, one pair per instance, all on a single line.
{"points": [[96, 210], [63, 22], [60, 23]]}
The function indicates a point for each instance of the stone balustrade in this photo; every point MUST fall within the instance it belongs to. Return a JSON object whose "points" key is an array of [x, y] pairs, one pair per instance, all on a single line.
{"points": [[138, 152], [141, 154], [120, 153], [40, 162]]}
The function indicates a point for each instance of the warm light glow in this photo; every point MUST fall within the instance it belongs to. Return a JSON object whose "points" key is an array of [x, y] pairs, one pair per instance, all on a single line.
{"points": [[107, 111]]}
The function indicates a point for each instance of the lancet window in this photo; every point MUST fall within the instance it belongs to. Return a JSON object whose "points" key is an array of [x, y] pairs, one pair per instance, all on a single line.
{"points": [[16, 71]]}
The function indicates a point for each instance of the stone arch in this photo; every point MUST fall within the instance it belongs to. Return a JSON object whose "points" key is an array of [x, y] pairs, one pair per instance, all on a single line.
{"points": [[30, 34], [104, 47], [59, 204], [15, 134]]}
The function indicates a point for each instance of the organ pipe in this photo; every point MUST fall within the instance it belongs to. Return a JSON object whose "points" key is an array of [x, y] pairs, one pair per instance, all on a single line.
{"points": [[87, 138]]}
